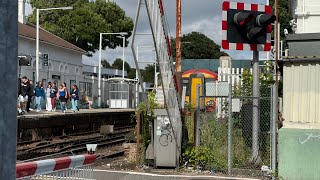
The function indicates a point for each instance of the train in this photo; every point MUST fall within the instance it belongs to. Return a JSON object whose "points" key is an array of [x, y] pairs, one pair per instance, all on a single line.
{"points": [[190, 79]]}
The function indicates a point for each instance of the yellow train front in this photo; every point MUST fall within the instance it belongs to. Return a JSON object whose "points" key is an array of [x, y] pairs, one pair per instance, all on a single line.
{"points": [[191, 79]]}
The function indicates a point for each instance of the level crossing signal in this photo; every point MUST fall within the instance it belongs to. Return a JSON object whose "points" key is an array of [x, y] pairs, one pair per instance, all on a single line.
{"points": [[246, 26]]}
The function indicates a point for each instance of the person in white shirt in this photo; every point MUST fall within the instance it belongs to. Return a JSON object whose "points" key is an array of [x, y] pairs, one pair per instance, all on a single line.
{"points": [[48, 98]]}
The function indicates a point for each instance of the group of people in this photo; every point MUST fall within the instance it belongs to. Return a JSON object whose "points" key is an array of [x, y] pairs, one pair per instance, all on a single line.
{"points": [[27, 93]]}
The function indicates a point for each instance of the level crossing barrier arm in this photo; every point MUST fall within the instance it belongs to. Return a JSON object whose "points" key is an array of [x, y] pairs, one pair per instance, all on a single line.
{"points": [[57, 167]]}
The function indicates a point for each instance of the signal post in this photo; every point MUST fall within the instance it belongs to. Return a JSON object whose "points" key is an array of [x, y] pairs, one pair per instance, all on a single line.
{"points": [[248, 27]]}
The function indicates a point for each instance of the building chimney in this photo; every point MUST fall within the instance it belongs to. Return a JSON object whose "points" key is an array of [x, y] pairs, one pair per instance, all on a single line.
{"points": [[22, 11]]}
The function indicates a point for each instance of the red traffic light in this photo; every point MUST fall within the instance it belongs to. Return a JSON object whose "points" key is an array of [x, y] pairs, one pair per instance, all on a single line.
{"points": [[242, 18], [246, 26]]}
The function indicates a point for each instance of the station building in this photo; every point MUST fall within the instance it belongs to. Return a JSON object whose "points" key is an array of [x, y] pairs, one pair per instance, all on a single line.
{"points": [[64, 62], [299, 137]]}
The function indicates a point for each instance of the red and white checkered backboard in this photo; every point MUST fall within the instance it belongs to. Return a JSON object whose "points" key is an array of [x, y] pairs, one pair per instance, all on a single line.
{"points": [[226, 5]]}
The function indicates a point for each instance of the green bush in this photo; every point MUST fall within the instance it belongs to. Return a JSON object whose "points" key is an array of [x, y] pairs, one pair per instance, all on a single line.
{"points": [[198, 156]]}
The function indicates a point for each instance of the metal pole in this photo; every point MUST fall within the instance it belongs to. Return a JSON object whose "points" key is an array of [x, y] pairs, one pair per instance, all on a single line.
{"points": [[138, 138], [178, 49], [8, 115], [274, 129], [275, 103], [99, 74], [178, 36], [48, 71], [255, 109], [124, 41], [137, 77], [134, 33], [268, 52], [230, 128], [281, 49], [37, 48], [198, 117]]}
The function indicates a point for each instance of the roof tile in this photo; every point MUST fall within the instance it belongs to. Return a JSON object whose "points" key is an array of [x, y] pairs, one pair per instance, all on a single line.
{"points": [[29, 31]]}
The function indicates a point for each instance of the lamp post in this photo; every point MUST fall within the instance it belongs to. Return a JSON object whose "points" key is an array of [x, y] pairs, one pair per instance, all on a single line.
{"points": [[100, 50], [37, 38], [123, 44]]}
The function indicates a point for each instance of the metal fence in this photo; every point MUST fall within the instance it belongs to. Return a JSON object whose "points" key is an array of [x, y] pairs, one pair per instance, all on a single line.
{"points": [[225, 125]]}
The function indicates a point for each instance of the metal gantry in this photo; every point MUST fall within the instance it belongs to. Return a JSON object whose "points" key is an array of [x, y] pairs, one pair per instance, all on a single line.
{"points": [[161, 43]]}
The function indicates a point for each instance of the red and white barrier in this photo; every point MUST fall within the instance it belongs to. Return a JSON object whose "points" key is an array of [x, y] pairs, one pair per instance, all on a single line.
{"points": [[52, 165]]}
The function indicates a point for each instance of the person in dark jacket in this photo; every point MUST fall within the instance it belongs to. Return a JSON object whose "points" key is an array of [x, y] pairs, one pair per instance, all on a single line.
{"points": [[39, 94], [74, 98], [25, 90], [53, 95], [30, 96], [67, 95]]}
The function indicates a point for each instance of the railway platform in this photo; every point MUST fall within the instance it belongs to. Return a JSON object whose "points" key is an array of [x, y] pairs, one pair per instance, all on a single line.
{"points": [[33, 126]]}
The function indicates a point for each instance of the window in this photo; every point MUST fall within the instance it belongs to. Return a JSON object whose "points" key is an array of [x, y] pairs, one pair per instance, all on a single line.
{"points": [[119, 91], [89, 89], [72, 82], [84, 89], [44, 83], [61, 68]]}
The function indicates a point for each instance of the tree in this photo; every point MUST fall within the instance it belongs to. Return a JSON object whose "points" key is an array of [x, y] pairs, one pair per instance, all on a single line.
{"points": [[197, 46], [117, 64], [82, 25], [105, 64], [284, 16], [148, 73], [132, 73]]}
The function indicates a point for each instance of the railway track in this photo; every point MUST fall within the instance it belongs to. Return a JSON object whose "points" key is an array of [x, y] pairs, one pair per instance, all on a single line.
{"points": [[72, 144], [19, 144]]}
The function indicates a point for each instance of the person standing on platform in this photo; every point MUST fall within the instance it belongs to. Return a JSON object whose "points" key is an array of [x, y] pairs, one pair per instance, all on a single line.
{"points": [[30, 97], [62, 97], [19, 94], [48, 100], [39, 94], [53, 95], [25, 88], [74, 98], [67, 95]]}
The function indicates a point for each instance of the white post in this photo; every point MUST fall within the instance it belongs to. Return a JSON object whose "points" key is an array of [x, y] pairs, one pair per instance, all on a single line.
{"points": [[155, 76], [137, 84], [99, 74], [155, 72], [37, 48], [124, 39]]}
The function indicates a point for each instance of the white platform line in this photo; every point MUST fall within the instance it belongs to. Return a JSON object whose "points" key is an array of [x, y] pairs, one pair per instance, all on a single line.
{"points": [[180, 176]]}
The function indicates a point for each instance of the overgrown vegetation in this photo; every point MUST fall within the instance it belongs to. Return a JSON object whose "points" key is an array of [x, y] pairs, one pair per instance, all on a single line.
{"points": [[214, 140], [146, 110], [214, 132]]}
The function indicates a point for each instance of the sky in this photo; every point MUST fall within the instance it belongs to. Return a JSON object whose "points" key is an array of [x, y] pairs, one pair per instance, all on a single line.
{"points": [[197, 15]]}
